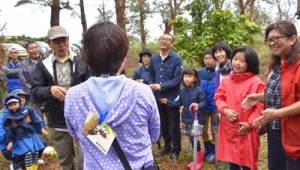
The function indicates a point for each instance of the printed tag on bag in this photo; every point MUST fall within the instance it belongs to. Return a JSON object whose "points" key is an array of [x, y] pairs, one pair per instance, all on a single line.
{"points": [[100, 134]]}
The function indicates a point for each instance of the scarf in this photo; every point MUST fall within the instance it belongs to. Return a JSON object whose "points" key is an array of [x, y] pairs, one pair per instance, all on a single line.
{"points": [[225, 69]]}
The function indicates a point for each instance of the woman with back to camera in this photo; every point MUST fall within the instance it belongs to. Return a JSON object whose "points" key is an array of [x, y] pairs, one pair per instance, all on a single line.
{"points": [[281, 97], [131, 106]]}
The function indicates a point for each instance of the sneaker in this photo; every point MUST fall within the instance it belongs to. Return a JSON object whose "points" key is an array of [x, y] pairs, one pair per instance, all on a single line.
{"points": [[40, 161], [162, 153], [173, 157]]}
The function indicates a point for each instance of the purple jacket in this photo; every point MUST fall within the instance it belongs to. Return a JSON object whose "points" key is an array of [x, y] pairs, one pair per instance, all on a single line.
{"points": [[133, 115]]}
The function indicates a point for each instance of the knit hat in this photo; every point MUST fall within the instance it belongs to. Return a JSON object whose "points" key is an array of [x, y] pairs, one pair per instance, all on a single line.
{"points": [[57, 32], [145, 51]]}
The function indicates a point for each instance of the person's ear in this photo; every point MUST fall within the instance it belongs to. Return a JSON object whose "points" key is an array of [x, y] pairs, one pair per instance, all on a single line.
{"points": [[293, 39]]}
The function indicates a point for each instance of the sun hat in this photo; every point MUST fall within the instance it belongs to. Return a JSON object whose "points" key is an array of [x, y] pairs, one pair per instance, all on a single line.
{"points": [[145, 51]]}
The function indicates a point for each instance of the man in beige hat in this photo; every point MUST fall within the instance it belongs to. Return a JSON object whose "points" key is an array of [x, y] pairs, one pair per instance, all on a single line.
{"points": [[51, 79]]}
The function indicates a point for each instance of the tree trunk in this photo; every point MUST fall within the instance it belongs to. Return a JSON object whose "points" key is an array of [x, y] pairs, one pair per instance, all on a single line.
{"points": [[142, 28], [120, 12], [251, 9], [83, 18], [55, 9], [242, 7]]}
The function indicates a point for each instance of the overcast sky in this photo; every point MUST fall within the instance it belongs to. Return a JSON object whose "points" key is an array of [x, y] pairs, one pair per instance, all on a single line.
{"points": [[34, 21]]}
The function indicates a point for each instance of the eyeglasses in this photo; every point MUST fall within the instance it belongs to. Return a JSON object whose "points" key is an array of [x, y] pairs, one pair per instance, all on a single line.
{"points": [[13, 52], [274, 39], [165, 39], [208, 59]]}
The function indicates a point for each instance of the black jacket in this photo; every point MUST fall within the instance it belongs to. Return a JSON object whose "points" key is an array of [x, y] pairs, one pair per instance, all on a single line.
{"points": [[43, 79]]}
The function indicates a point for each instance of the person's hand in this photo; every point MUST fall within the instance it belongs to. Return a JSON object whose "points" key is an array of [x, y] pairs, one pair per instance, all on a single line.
{"points": [[44, 132], [14, 124], [9, 146], [267, 116], [231, 115], [27, 119], [155, 87], [163, 100], [195, 106], [244, 128], [250, 100], [58, 92]]}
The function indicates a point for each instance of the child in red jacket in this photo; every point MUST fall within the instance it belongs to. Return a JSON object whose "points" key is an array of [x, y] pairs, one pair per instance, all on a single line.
{"points": [[238, 141]]}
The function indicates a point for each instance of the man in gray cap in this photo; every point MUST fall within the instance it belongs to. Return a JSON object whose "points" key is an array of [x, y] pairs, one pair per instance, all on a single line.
{"points": [[51, 79]]}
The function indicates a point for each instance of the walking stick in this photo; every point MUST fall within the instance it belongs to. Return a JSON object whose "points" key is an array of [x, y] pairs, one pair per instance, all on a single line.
{"points": [[196, 133]]}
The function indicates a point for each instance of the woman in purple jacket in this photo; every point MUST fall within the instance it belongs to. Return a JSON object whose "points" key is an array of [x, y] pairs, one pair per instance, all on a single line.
{"points": [[131, 106]]}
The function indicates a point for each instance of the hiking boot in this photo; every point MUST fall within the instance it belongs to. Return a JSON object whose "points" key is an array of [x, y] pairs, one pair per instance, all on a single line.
{"points": [[173, 157]]}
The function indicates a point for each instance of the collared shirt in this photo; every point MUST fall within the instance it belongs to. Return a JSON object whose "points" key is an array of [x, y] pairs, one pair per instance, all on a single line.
{"points": [[167, 73], [273, 95], [63, 71]]}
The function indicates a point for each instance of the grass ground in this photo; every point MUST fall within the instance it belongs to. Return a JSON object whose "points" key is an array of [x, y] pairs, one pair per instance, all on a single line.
{"points": [[52, 164]]}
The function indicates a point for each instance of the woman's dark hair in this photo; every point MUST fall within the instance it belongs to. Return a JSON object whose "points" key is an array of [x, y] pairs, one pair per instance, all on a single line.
{"points": [[250, 57], [105, 46], [223, 46], [287, 29], [191, 71]]}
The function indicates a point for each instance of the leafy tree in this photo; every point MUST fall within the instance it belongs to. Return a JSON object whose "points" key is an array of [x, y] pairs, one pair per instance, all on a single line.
{"points": [[169, 11], [141, 9], [219, 25], [56, 6], [104, 14]]}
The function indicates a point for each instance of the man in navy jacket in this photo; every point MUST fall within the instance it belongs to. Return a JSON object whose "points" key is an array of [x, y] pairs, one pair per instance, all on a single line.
{"points": [[165, 77]]}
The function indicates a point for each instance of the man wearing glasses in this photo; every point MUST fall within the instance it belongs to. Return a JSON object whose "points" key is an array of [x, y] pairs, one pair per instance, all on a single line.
{"points": [[51, 79], [165, 77], [11, 70]]}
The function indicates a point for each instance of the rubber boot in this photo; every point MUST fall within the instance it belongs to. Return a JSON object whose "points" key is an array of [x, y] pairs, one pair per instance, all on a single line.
{"points": [[199, 161], [211, 156], [29, 168], [207, 149], [35, 166]]}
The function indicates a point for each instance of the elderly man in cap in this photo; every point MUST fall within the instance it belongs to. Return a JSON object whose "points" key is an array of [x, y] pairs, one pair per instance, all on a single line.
{"points": [[51, 79]]}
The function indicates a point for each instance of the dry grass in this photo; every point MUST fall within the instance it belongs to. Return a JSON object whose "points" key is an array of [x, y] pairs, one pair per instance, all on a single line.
{"points": [[186, 158]]}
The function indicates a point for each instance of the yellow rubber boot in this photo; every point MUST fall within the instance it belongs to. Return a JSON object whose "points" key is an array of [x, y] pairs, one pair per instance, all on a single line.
{"points": [[35, 167], [29, 167]]}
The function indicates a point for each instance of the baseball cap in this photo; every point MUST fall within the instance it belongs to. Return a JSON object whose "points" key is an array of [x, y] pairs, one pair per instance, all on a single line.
{"points": [[12, 100], [57, 32]]}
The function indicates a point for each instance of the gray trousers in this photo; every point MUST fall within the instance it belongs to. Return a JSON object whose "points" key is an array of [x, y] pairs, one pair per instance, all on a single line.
{"points": [[64, 145]]}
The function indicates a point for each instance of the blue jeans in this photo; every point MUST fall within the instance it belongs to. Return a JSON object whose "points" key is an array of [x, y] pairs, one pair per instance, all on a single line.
{"points": [[277, 158]]}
